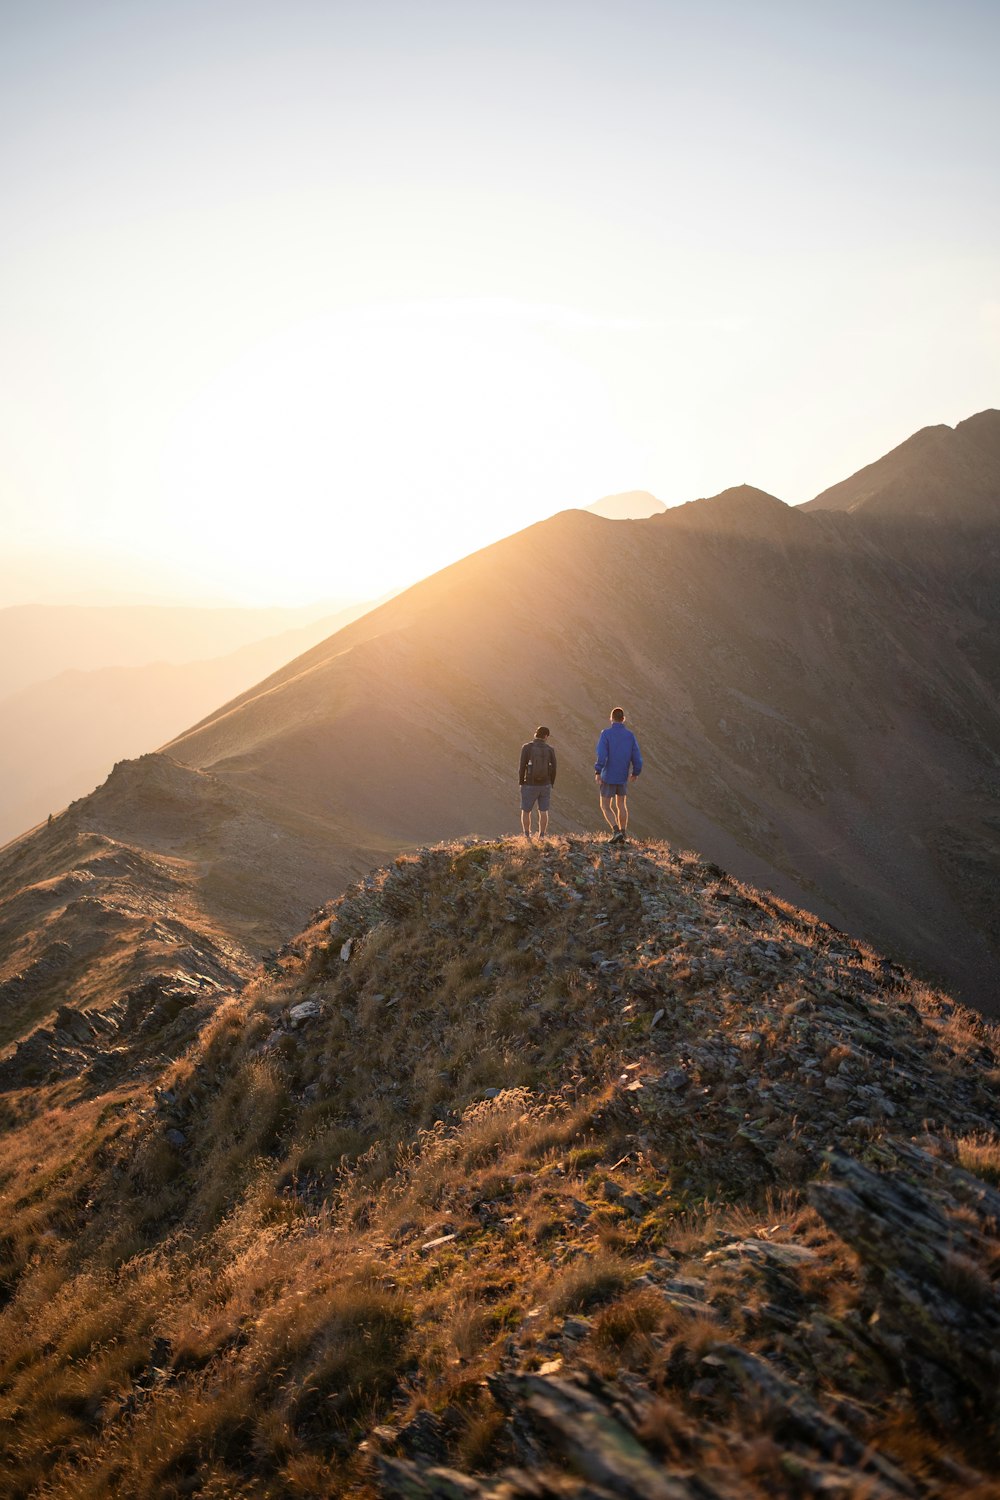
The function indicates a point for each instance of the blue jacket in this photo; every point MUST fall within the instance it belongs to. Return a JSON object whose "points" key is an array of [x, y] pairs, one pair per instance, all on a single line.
{"points": [[617, 754]]}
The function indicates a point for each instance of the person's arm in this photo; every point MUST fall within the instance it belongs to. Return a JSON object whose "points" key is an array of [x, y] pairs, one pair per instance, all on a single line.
{"points": [[602, 754], [552, 766], [523, 765], [636, 758]]}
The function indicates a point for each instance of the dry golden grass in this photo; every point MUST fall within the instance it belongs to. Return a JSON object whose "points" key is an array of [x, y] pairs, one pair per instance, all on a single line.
{"points": [[980, 1155], [588, 1282], [234, 1316]]}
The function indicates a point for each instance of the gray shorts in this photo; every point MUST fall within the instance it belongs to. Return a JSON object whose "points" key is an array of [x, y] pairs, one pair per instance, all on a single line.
{"points": [[613, 788], [532, 794]]}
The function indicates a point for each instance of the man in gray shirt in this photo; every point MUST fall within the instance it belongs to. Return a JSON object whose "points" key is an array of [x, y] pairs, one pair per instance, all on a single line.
{"points": [[536, 776]]}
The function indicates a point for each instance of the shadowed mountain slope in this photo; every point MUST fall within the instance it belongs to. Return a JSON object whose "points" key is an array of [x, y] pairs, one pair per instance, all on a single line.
{"points": [[818, 712], [523, 1173], [940, 473]]}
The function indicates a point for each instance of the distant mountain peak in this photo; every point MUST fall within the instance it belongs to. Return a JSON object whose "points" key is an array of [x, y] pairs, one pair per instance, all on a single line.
{"points": [[630, 505]]}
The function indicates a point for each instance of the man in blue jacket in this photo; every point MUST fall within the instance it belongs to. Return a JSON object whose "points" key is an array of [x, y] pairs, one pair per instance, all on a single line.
{"points": [[618, 762]]}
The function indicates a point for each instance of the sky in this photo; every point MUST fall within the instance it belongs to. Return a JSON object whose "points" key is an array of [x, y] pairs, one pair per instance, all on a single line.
{"points": [[304, 300]]}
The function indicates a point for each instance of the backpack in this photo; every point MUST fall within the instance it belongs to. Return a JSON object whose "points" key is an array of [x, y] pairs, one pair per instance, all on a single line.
{"points": [[538, 774]]}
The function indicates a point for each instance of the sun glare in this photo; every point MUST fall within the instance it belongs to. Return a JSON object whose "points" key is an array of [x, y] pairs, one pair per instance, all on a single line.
{"points": [[400, 439]]}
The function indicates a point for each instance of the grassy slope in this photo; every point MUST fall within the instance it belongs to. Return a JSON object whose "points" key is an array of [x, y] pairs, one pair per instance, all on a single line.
{"points": [[552, 1109]]}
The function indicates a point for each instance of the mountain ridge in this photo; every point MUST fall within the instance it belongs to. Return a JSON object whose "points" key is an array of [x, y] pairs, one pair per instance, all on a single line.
{"points": [[800, 722], [815, 692], [522, 1171], [939, 473]]}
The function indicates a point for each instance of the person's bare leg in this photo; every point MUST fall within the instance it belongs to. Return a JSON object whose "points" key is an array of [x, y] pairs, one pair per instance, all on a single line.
{"points": [[526, 823], [606, 810], [543, 823], [622, 811]]}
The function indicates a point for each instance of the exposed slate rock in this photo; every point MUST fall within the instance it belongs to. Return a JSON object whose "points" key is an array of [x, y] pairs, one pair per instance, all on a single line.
{"points": [[927, 1236], [161, 1016]]}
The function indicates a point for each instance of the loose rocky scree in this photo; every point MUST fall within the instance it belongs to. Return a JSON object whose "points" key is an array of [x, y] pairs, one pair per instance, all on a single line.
{"points": [[525, 1170]]}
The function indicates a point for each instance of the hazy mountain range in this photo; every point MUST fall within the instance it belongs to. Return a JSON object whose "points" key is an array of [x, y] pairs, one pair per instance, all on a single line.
{"points": [[39, 641], [82, 687], [815, 691]]}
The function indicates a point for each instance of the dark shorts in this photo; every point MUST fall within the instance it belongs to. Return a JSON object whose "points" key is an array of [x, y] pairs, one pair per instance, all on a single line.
{"points": [[613, 788], [532, 794]]}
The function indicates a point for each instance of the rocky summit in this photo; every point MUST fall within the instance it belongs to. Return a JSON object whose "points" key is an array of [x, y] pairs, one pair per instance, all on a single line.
{"points": [[526, 1170]]}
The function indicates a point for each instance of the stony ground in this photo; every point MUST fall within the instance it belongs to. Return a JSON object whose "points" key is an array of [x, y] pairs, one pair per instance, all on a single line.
{"points": [[526, 1170]]}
